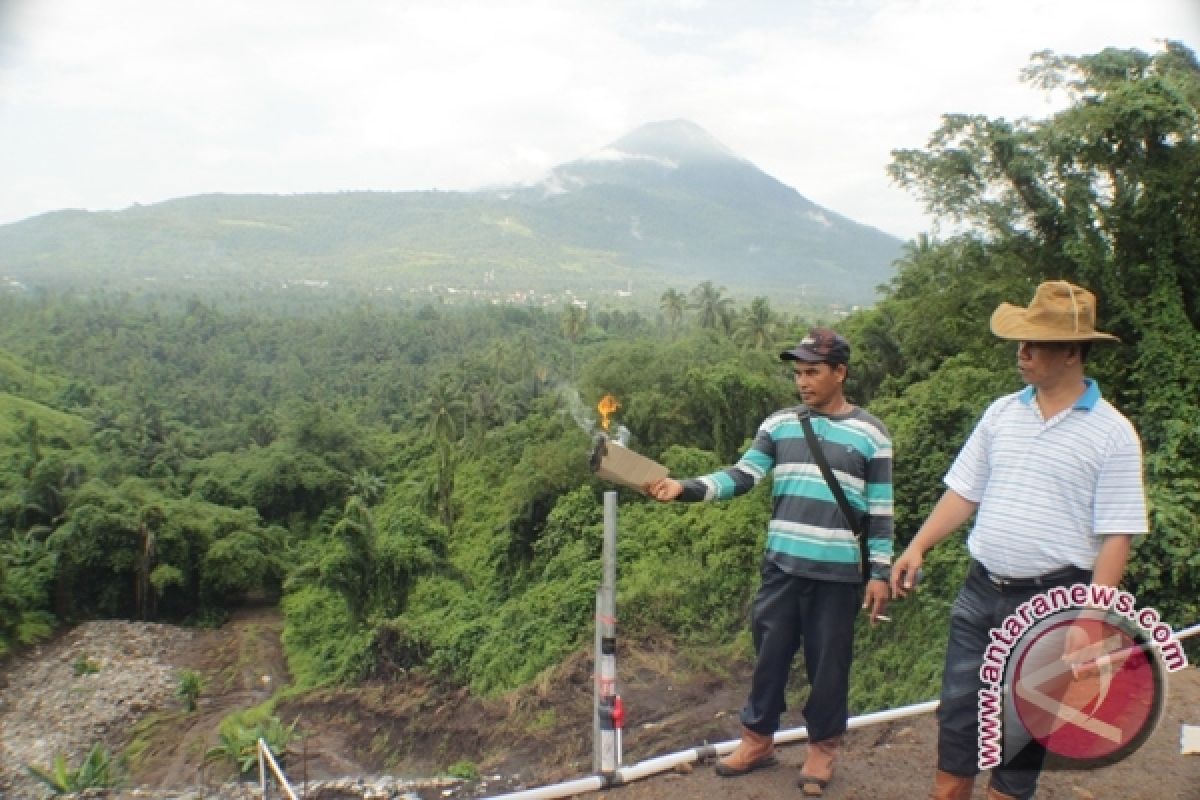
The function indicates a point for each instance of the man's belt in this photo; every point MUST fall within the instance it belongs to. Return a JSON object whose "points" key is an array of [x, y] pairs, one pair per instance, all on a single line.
{"points": [[1058, 577]]}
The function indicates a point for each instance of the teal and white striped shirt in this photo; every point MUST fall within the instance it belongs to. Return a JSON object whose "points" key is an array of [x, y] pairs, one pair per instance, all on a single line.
{"points": [[808, 536]]}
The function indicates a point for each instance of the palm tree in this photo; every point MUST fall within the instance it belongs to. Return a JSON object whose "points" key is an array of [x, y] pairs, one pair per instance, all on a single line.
{"points": [[672, 304], [484, 407], [498, 356], [574, 321], [146, 560], [881, 353], [524, 357], [757, 325], [367, 485], [713, 306], [348, 568], [441, 408]]}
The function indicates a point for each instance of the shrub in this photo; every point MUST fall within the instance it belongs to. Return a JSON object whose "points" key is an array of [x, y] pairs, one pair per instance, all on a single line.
{"points": [[239, 743], [98, 771], [83, 665], [190, 686]]}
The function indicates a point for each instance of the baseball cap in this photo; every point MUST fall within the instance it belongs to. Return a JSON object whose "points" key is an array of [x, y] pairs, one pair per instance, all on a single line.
{"points": [[820, 345]]}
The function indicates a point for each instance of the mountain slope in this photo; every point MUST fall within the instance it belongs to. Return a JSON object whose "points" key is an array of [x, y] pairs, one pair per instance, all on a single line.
{"points": [[669, 196], [665, 205]]}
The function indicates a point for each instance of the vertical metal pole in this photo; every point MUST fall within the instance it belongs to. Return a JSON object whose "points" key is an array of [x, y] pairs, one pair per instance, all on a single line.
{"points": [[606, 745], [606, 751], [596, 760], [262, 770], [609, 550]]}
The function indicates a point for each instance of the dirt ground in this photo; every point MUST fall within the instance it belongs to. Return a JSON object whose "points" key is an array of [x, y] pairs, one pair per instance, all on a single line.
{"points": [[894, 761], [242, 664], [542, 734]]}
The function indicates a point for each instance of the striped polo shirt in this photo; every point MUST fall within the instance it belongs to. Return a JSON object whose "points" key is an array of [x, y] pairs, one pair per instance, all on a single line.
{"points": [[1048, 489], [808, 536]]}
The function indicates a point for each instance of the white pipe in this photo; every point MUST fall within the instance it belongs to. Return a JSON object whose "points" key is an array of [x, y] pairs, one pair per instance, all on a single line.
{"points": [[1186, 632], [653, 766], [659, 764], [578, 786], [891, 714]]}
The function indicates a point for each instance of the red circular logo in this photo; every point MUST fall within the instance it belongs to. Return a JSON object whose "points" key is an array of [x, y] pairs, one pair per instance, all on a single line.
{"points": [[1085, 688]]}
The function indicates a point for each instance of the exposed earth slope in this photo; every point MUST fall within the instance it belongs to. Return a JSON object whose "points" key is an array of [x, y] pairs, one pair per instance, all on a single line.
{"points": [[409, 729]]}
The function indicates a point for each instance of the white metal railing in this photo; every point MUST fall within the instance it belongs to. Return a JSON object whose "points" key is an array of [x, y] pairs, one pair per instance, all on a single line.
{"points": [[267, 761]]}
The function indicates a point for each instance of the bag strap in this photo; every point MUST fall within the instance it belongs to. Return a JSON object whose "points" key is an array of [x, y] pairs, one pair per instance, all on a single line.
{"points": [[818, 455]]}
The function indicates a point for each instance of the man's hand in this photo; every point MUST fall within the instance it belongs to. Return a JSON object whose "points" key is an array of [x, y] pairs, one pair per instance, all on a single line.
{"points": [[904, 571], [1084, 648], [876, 598], [951, 511], [664, 490]]}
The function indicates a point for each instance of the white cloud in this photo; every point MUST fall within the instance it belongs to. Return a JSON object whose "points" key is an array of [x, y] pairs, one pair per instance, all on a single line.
{"points": [[613, 154], [106, 104]]}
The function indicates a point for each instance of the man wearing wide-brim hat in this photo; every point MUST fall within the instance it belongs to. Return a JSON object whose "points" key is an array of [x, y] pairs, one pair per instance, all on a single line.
{"points": [[1053, 474]]}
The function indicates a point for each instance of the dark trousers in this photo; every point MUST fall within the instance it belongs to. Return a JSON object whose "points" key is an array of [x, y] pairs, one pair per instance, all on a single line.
{"points": [[980, 606], [790, 611]]}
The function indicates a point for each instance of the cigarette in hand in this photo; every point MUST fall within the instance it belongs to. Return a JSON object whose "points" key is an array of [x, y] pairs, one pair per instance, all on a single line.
{"points": [[883, 618]]}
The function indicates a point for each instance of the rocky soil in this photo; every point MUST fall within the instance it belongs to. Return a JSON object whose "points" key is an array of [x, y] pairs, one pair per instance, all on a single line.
{"points": [[114, 683], [89, 687]]}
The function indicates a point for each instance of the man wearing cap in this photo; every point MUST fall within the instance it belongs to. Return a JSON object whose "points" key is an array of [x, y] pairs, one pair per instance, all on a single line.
{"points": [[812, 581], [1053, 474]]}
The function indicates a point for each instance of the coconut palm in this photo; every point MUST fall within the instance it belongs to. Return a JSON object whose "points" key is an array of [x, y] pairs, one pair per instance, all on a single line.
{"points": [[574, 321], [524, 358], [441, 407], [713, 307], [367, 485], [672, 304], [757, 326]]}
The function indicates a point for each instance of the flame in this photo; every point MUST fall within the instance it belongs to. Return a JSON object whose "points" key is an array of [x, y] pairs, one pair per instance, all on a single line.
{"points": [[607, 406]]}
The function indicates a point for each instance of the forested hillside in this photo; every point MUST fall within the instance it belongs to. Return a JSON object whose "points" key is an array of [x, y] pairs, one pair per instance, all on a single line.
{"points": [[413, 487], [665, 206]]}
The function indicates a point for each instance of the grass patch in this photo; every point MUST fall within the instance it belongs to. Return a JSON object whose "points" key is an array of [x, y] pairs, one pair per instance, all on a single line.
{"points": [[145, 732], [58, 429], [545, 720]]}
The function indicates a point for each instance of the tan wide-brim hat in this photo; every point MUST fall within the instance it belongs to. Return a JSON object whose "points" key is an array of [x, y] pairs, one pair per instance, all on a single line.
{"points": [[1059, 312]]}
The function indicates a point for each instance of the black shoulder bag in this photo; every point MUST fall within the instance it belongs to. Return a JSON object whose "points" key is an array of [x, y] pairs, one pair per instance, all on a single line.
{"points": [[818, 455]]}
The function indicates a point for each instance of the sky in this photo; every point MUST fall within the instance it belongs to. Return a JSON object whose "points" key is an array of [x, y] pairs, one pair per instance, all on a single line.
{"points": [[108, 104]]}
